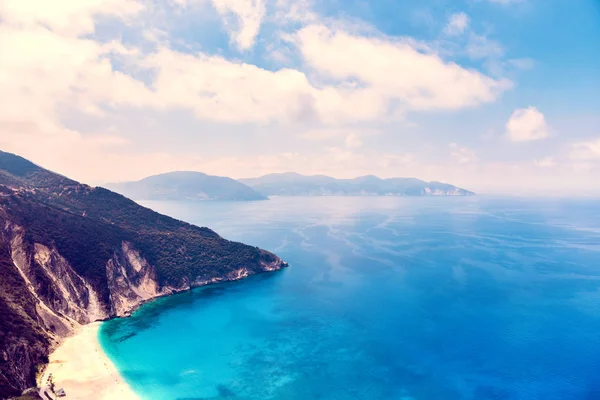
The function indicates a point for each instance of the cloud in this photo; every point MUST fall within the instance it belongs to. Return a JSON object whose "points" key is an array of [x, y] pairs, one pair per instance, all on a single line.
{"points": [[88, 157], [481, 47], [353, 140], [527, 124], [334, 132], [70, 72], [48, 73], [71, 75], [461, 154], [588, 150], [457, 24], [53, 70], [290, 11], [243, 19], [230, 91], [66, 17], [397, 78], [320, 134], [546, 162], [393, 75]]}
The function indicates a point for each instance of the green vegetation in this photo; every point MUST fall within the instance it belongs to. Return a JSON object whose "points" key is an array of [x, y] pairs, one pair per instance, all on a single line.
{"points": [[88, 226]]}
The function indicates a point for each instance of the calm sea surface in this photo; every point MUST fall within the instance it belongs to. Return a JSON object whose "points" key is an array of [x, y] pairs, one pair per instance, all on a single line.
{"points": [[385, 299]]}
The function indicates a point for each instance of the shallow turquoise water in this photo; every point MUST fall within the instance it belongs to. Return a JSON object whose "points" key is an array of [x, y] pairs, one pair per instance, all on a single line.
{"points": [[385, 298]]}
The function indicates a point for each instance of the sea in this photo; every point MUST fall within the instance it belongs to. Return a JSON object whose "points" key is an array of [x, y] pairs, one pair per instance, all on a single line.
{"points": [[385, 298]]}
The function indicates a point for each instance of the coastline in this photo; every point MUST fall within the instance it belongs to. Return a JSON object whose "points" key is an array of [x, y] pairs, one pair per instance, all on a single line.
{"points": [[84, 371], [80, 366]]}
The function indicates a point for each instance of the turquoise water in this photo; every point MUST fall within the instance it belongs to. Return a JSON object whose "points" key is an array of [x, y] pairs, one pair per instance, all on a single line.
{"points": [[385, 298]]}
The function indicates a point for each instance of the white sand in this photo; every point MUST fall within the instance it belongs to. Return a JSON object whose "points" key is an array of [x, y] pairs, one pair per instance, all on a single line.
{"points": [[80, 366]]}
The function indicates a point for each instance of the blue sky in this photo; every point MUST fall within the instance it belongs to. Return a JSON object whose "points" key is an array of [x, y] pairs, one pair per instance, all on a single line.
{"points": [[499, 96]]}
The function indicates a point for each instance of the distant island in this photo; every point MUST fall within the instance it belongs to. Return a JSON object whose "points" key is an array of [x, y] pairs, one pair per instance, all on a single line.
{"points": [[198, 186], [71, 254], [186, 185], [293, 184]]}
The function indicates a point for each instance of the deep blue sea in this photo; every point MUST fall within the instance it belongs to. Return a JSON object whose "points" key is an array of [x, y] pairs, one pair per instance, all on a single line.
{"points": [[471, 298]]}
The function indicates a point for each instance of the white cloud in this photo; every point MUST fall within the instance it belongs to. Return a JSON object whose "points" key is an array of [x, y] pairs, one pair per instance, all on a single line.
{"points": [[378, 72], [588, 150], [349, 83], [68, 72], [481, 47], [457, 24], [221, 90], [396, 78], [334, 132], [84, 157], [320, 134], [243, 19], [583, 167], [47, 72], [461, 154], [353, 140], [527, 124], [71, 17], [294, 11], [546, 162], [235, 92]]}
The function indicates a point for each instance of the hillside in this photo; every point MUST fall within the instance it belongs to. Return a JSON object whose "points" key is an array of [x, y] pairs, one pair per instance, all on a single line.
{"points": [[71, 254], [186, 186], [292, 184]]}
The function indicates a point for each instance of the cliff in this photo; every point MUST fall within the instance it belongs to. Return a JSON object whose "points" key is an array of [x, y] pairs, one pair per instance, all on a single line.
{"points": [[71, 254]]}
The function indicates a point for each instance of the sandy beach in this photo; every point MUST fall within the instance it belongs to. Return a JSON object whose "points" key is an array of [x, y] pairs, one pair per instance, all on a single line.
{"points": [[81, 368]]}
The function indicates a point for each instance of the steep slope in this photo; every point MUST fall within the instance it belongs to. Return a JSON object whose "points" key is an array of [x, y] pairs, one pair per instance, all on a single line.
{"points": [[292, 184], [186, 186], [71, 254]]}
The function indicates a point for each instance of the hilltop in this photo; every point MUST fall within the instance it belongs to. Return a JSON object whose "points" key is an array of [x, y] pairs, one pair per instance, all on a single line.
{"points": [[186, 185]]}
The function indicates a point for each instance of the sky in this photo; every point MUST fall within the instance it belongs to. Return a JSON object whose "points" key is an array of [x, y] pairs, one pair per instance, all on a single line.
{"points": [[497, 96]]}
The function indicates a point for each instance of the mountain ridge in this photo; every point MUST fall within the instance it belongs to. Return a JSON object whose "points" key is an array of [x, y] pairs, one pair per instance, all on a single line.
{"points": [[71, 254], [191, 185], [294, 184]]}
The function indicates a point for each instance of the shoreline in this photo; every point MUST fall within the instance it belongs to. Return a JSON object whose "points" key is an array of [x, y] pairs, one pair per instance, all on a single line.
{"points": [[80, 367]]}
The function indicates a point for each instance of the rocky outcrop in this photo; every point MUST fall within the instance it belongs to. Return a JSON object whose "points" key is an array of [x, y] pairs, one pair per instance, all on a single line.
{"points": [[64, 300], [131, 280], [22, 360]]}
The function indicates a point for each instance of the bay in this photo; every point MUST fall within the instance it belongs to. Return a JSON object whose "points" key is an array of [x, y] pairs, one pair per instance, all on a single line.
{"points": [[385, 298]]}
